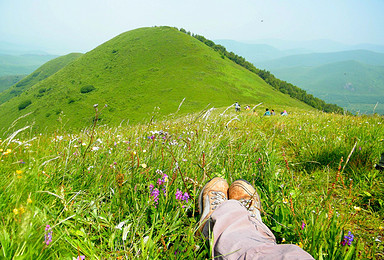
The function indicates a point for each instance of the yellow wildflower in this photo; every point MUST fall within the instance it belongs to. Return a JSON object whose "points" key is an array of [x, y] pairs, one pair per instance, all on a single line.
{"points": [[357, 208], [21, 210], [283, 240], [1, 150], [144, 165], [300, 244], [29, 200], [15, 211], [285, 201], [8, 151], [19, 171], [381, 227]]}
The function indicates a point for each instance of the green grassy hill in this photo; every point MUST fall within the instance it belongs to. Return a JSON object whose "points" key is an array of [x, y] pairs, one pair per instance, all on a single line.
{"points": [[8, 81], [136, 72], [350, 84], [43, 72]]}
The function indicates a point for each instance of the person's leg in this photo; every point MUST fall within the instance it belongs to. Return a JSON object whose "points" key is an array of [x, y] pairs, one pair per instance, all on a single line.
{"points": [[237, 229], [237, 235]]}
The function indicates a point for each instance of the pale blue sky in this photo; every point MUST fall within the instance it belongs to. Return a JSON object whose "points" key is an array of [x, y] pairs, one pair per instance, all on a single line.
{"points": [[63, 26]]}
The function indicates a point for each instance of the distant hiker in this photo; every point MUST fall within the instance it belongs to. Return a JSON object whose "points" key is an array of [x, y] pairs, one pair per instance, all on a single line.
{"points": [[284, 113], [231, 221], [380, 165], [267, 113], [237, 107], [273, 112]]}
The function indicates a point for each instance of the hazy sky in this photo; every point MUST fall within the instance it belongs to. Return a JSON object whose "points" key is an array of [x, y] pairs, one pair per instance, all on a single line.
{"points": [[63, 26]]}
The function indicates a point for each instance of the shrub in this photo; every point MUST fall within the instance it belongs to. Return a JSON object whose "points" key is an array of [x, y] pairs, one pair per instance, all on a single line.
{"points": [[24, 104], [87, 89]]}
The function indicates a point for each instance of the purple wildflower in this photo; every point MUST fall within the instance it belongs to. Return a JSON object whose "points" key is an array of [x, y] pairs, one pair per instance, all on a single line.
{"points": [[178, 194], [303, 225], [182, 197], [80, 257], [348, 239], [155, 194], [162, 180], [185, 197], [48, 235]]}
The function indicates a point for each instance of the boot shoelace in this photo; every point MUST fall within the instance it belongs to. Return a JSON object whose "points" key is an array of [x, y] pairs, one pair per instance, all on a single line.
{"points": [[217, 199], [247, 203]]}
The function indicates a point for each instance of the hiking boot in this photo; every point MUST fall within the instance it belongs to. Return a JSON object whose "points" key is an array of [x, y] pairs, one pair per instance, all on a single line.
{"points": [[380, 165], [247, 195], [211, 196]]}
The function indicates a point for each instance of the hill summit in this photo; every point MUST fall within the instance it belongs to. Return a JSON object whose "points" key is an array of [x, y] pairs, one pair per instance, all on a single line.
{"points": [[134, 73]]}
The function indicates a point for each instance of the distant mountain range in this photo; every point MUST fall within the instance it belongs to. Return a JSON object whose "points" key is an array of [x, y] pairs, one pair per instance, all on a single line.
{"points": [[22, 64], [353, 79], [279, 48]]}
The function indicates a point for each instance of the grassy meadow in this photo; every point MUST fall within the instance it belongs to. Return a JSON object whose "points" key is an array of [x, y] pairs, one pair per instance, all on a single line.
{"points": [[115, 192]]}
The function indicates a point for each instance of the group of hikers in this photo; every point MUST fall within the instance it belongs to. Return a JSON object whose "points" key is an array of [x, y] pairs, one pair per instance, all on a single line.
{"points": [[267, 112], [272, 112]]}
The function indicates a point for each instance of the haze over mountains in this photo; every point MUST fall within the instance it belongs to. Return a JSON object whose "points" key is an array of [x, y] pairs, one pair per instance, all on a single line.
{"points": [[350, 76], [18, 61]]}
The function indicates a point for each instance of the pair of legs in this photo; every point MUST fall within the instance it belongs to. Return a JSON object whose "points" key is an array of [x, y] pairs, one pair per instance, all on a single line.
{"points": [[231, 216]]}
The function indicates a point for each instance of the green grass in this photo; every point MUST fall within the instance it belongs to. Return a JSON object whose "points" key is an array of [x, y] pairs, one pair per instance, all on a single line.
{"points": [[308, 167], [136, 72]]}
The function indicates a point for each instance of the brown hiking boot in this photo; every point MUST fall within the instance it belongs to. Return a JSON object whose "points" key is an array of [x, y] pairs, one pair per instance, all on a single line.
{"points": [[380, 165], [211, 196], [244, 192]]}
